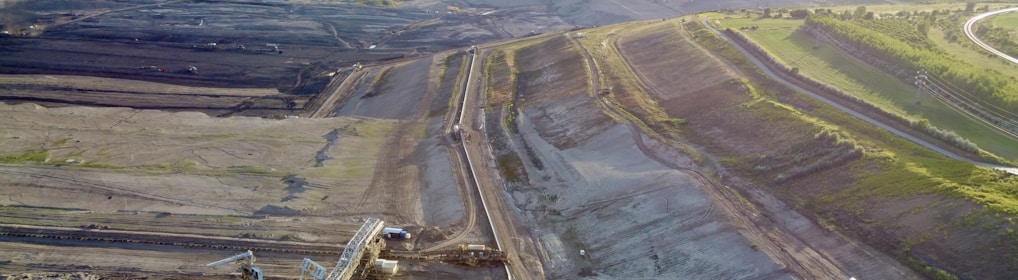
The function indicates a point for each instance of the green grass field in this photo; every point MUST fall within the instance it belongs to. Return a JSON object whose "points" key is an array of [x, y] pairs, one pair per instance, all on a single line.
{"points": [[1008, 20], [780, 38], [966, 51]]}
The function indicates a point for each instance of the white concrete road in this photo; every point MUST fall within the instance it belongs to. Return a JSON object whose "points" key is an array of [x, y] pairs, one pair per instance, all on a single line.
{"points": [[972, 35]]}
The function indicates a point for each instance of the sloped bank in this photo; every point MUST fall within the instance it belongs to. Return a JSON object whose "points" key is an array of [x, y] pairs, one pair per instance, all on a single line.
{"points": [[582, 177]]}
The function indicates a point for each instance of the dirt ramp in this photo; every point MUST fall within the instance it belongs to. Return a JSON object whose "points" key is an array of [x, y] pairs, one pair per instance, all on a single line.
{"points": [[390, 93]]}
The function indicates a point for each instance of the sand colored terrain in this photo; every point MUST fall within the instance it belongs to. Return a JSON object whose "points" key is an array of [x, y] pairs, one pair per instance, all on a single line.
{"points": [[157, 160], [296, 180], [157, 171], [588, 178]]}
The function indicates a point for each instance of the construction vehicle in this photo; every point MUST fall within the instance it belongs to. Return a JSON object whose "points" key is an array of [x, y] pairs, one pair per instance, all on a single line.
{"points": [[455, 133], [395, 233], [248, 271]]}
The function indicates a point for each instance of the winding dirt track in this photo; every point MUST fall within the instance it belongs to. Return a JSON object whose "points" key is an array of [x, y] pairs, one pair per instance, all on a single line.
{"points": [[803, 261], [500, 208], [465, 185]]}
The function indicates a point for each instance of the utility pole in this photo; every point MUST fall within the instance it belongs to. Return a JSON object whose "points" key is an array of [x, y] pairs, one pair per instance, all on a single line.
{"points": [[920, 82]]}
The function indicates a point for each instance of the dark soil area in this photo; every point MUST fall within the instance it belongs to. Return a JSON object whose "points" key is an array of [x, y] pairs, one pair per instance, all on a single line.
{"points": [[231, 44]]}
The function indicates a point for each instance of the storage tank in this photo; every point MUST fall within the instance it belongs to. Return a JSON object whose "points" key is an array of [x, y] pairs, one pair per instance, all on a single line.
{"points": [[386, 266], [476, 247]]}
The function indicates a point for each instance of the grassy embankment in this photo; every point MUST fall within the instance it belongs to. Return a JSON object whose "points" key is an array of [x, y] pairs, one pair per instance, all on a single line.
{"points": [[847, 174], [795, 49], [998, 31], [861, 196]]}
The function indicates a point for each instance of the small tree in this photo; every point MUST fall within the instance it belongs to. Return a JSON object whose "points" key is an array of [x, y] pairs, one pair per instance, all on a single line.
{"points": [[767, 13], [923, 28], [970, 7], [846, 15], [798, 14], [860, 12]]}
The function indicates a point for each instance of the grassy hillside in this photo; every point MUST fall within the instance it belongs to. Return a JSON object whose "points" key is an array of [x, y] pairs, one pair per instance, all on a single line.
{"points": [[939, 216], [831, 66]]}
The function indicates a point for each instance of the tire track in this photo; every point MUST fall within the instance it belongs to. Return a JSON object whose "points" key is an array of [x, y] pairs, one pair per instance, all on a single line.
{"points": [[395, 185], [338, 95], [121, 191], [458, 160]]}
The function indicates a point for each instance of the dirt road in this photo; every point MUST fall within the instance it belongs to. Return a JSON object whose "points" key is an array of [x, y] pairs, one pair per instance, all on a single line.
{"points": [[516, 240]]}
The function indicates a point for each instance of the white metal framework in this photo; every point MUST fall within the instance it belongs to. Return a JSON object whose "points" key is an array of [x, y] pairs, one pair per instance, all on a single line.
{"points": [[246, 255], [318, 271], [354, 249]]}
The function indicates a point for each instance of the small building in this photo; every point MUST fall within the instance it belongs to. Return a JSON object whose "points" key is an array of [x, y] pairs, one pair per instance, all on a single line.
{"points": [[387, 267]]}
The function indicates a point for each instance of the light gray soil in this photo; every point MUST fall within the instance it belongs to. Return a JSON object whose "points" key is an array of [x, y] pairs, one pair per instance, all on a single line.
{"points": [[633, 216]]}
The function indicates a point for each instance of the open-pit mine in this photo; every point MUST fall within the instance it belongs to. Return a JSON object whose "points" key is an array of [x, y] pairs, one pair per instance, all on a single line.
{"points": [[425, 139]]}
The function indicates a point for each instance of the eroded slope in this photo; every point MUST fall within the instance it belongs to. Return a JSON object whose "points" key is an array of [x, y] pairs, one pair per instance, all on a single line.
{"points": [[590, 186]]}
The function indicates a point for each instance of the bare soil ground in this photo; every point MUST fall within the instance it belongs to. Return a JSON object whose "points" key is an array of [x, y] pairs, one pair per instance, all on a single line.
{"points": [[592, 183], [149, 170], [159, 41], [588, 186]]}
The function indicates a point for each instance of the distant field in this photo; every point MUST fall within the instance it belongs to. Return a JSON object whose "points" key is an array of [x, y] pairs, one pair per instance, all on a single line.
{"points": [[968, 52], [1008, 20], [779, 37]]}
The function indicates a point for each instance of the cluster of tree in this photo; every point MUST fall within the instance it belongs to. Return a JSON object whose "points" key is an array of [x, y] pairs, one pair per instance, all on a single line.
{"points": [[859, 13], [910, 32], [989, 86], [999, 37], [794, 14]]}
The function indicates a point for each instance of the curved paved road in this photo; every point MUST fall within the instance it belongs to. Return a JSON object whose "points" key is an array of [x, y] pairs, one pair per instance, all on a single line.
{"points": [[858, 115], [972, 35]]}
